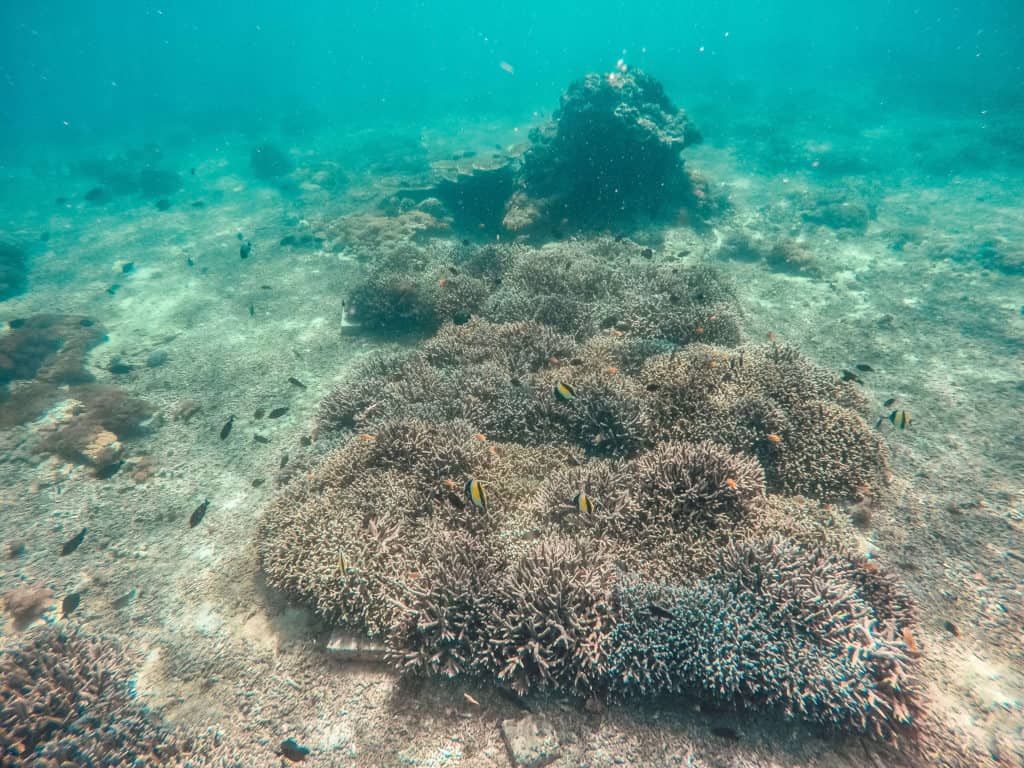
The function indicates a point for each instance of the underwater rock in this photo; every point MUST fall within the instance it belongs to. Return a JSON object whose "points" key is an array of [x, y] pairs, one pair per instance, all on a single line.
{"points": [[269, 162], [13, 270], [610, 154], [837, 211], [531, 741]]}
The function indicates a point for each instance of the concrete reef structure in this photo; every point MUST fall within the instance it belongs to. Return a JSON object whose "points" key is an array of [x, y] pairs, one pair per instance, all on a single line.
{"points": [[64, 701]]}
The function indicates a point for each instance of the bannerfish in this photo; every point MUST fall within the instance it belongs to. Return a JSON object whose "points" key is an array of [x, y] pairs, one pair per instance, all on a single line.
{"points": [[290, 750], [864, 367], [69, 603], [226, 429], [277, 413], [199, 514], [476, 494], [245, 249], [583, 503], [292, 380], [889, 402], [564, 392], [900, 418], [72, 544]]}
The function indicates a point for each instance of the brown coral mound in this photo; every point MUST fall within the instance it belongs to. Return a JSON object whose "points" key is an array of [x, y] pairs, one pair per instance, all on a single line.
{"points": [[64, 701]]}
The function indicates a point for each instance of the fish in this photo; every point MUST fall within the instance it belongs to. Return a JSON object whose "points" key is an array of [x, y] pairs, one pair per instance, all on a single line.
{"points": [[190, 262], [245, 249], [128, 266], [889, 402], [258, 482], [900, 418], [295, 382], [660, 611], [260, 438], [259, 413], [476, 494], [583, 503], [270, 288], [277, 413], [199, 513], [192, 171], [226, 429], [506, 67], [851, 376], [71, 545], [290, 750], [563, 392], [864, 367], [305, 441], [69, 603], [240, 236], [123, 601], [113, 289], [284, 460], [163, 204], [252, 309]]}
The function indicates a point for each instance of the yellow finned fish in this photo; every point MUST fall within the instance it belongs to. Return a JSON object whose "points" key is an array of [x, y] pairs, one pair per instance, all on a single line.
{"points": [[583, 503], [476, 494], [900, 419], [564, 392]]}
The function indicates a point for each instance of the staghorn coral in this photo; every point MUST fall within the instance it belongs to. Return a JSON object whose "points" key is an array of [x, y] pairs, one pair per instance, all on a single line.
{"points": [[64, 701], [776, 626]]}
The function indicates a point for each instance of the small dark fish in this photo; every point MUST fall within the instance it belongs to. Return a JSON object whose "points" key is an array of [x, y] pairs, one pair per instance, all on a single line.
{"points": [[69, 603], [563, 392], [240, 236], [259, 413], [647, 253], [192, 171], [198, 514], [583, 503], [266, 288], [245, 250], [16, 322], [61, 201], [660, 611], [277, 413], [85, 322], [128, 266], [123, 600], [113, 289], [190, 262], [261, 439], [864, 367], [163, 204], [258, 482], [653, 387], [284, 460], [290, 750], [118, 368], [252, 309], [198, 204], [476, 494], [305, 441], [71, 545], [296, 382], [851, 376], [889, 402], [226, 429], [97, 195]]}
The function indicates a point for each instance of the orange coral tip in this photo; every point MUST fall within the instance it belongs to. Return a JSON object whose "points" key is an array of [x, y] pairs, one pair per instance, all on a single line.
{"points": [[774, 438], [611, 369], [730, 483]]}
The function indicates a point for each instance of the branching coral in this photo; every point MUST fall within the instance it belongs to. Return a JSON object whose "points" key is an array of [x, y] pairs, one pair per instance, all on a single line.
{"points": [[64, 701]]}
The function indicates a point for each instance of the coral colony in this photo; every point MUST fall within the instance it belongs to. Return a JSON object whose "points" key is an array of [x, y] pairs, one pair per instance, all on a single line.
{"points": [[586, 481]]}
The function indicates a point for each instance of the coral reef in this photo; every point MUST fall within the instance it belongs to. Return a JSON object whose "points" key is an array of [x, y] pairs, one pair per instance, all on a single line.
{"points": [[26, 603], [611, 153], [64, 701], [13, 270], [48, 348]]}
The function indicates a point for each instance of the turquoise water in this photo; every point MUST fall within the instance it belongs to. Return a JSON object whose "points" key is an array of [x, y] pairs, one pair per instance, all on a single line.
{"points": [[561, 384]]}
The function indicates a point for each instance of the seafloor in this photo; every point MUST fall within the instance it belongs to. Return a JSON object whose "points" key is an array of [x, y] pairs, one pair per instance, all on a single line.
{"points": [[923, 281]]}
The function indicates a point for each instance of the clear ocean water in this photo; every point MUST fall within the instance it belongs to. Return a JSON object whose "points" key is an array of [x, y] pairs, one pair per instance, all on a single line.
{"points": [[376, 390]]}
